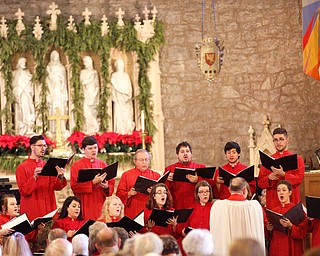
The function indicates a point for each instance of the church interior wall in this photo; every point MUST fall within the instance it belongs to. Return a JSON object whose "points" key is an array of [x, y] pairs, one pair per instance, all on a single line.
{"points": [[261, 72]]}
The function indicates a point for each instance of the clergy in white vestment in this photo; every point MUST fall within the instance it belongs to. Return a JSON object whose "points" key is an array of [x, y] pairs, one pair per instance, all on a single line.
{"points": [[236, 217]]}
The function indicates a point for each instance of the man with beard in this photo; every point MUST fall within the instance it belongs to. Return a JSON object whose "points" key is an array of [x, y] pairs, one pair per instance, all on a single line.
{"points": [[232, 151], [183, 192], [37, 192], [268, 180]]}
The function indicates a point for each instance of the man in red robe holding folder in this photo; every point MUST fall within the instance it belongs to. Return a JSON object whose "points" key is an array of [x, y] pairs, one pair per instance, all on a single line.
{"points": [[133, 201], [91, 193], [232, 151], [183, 192], [268, 180], [37, 192]]}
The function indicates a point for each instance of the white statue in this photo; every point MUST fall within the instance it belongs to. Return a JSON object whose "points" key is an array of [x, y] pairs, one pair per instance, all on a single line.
{"points": [[23, 95], [122, 98], [58, 92], [89, 80]]}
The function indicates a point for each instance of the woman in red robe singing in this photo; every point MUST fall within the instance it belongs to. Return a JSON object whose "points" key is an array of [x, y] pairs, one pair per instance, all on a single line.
{"points": [[292, 242], [159, 198], [112, 210], [9, 210], [70, 218]]}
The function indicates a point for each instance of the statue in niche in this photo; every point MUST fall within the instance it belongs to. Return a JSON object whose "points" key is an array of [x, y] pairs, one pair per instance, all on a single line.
{"points": [[89, 80], [58, 92], [23, 95], [122, 98]]}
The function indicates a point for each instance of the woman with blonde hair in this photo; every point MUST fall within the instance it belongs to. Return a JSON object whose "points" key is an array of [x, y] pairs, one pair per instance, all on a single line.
{"points": [[112, 210], [16, 245]]}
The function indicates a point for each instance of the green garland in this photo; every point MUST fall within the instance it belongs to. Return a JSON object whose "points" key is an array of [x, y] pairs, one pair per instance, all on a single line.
{"points": [[87, 39]]}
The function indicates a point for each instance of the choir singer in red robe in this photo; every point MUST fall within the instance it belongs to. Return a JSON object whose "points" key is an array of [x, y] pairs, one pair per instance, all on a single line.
{"points": [[37, 192], [133, 201], [183, 192], [268, 180], [91, 193]]}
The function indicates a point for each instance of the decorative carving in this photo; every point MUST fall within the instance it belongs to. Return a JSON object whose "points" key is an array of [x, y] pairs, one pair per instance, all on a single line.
{"points": [[3, 28], [86, 14], [71, 26], [120, 14], [54, 12], [145, 30], [37, 29], [20, 26], [104, 26]]}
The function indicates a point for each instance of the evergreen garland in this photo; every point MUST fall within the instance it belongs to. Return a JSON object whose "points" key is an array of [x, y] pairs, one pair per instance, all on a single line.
{"points": [[87, 39]]}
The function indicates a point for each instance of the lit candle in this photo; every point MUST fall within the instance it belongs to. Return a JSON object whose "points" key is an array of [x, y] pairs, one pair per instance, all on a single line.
{"points": [[142, 120]]}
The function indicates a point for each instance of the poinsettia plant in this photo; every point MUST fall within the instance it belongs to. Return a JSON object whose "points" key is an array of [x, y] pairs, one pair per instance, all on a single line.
{"points": [[110, 142], [19, 144]]}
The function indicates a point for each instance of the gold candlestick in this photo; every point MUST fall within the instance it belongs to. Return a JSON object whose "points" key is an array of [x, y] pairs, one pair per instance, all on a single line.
{"points": [[143, 138]]}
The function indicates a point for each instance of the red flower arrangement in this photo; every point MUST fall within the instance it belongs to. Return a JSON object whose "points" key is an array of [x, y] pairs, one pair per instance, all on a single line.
{"points": [[109, 142], [19, 144]]}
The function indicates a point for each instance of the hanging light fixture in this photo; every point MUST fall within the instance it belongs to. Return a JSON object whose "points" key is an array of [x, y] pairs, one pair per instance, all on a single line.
{"points": [[209, 51]]}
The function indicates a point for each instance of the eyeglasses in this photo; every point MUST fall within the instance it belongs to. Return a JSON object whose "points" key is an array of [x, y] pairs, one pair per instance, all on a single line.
{"points": [[279, 140], [41, 145], [143, 159], [161, 192], [204, 192]]}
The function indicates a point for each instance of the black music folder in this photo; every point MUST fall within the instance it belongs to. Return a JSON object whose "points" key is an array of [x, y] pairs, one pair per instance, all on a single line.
{"points": [[247, 174], [19, 224], [44, 219], [288, 163], [126, 223], [160, 217], [296, 215], [181, 173], [142, 183], [206, 172], [84, 229], [49, 169], [89, 174], [313, 206]]}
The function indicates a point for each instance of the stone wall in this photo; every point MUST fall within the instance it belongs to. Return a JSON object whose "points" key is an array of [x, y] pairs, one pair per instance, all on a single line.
{"points": [[261, 72]]}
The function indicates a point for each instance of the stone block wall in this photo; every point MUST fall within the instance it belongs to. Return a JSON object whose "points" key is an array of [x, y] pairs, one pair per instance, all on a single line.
{"points": [[261, 73]]}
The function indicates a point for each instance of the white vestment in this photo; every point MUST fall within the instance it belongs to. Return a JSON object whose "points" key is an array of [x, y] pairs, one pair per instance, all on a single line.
{"points": [[230, 220]]}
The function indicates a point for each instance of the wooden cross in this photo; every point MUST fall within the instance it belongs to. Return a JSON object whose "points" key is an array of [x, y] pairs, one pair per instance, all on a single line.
{"points": [[58, 117], [19, 14], [86, 14]]}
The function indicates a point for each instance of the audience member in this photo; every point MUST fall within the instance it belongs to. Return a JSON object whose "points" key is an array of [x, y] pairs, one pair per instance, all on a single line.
{"points": [[292, 242], [246, 247], [56, 233], [135, 202], [91, 193], [80, 245], [232, 151], [147, 243], [198, 242], [70, 218], [93, 231], [236, 218], [170, 246], [107, 242], [182, 193], [112, 210], [59, 247], [269, 179], [16, 245], [128, 247], [122, 234], [159, 198]]}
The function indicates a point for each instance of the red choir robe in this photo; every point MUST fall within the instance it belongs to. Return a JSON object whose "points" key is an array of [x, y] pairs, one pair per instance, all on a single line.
{"points": [[295, 177], [157, 229], [200, 217], [37, 195], [314, 228], [182, 192], [135, 204], [92, 196], [68, 224], [113, 219], [224, 192], [290, 244]]}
